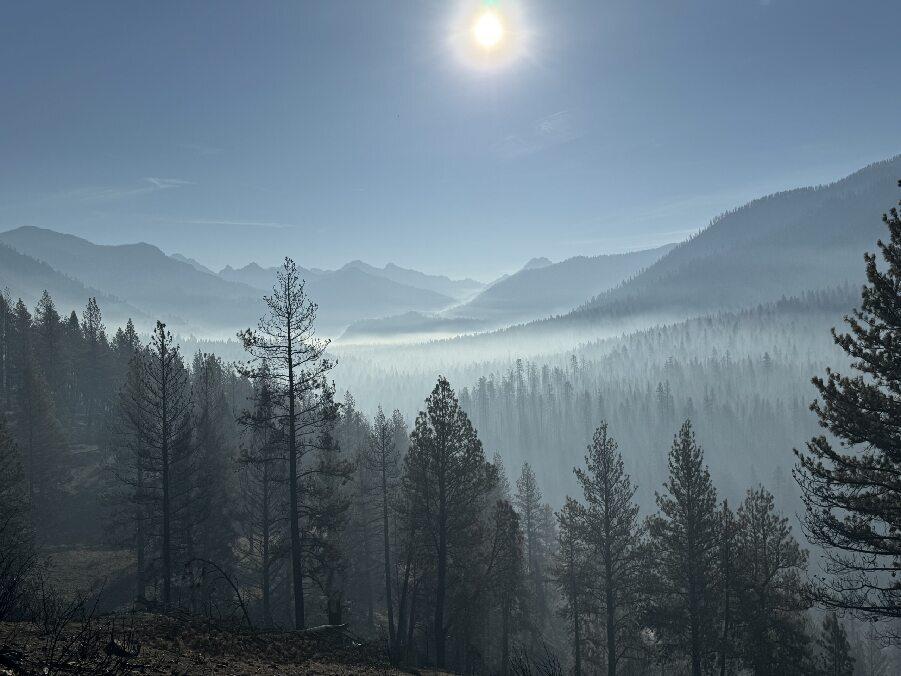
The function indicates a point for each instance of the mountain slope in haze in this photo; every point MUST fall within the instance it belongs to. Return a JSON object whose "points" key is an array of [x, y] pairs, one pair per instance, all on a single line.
{"points": [[161, 286], [780, 245], [457, 289], [348, 294], [192, 300], [548, 288], [537, 263], [255, 275], [540, 289], [27, 278], [785, 244], [193, 262]]}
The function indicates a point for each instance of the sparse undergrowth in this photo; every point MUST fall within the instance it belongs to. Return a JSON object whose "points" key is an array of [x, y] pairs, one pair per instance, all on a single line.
{"points": [[157, 644]]}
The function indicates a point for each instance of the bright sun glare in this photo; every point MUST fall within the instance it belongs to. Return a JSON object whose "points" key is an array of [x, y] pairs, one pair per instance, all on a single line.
{"points": [[488, 30], [487, 38]]}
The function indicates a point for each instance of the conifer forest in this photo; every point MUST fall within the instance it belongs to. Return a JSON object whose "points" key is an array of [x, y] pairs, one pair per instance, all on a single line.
{"points": [[668, 443]]}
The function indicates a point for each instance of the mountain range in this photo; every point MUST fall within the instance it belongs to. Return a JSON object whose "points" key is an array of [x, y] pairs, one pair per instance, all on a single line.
{"points": [[540, 289], [780, 245], [784, 244], [141, 282]]}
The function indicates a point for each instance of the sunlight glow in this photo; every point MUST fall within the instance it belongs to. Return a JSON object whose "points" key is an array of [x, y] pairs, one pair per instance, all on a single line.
{"points": [[486, 36], [488, 30]]}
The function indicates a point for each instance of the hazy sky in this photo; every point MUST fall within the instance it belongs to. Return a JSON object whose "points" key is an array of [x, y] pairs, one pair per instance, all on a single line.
{"points": [[335, 130]]}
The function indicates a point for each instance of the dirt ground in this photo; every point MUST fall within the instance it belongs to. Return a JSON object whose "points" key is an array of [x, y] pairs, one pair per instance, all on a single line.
{"points": [[155, 644]]}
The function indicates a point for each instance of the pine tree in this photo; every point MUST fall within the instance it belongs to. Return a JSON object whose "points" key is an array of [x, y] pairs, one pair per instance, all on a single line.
{"points": [[263, 483], [729, 589], [215, 456], [43, 446], [852, 491], [286, 346], [93, 370], [17, 556], [507, 572], [612, 536], [383, 460], [124, 347], [155, 409], [6, 335], [354, 434], [21, 346], [684, 539], [326, 511], [48, 334], [773, 596], [70, 363], [447, 480], [571, 574], [835, 652], [527, 501]]}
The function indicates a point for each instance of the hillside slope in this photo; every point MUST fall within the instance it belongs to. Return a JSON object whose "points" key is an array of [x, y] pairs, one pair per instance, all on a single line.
{"points": [[26, 278], [783, 244], [458, 289], [192, 300], [161, 286], [543, 290]]}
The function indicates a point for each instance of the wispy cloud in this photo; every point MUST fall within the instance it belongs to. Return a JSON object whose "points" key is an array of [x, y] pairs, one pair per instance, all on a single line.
{"points": [[546, 132], [150, 184], [166, 183]]}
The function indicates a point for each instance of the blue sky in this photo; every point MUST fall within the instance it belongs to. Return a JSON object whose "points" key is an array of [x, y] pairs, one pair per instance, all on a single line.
{"points": [[338, 130]]}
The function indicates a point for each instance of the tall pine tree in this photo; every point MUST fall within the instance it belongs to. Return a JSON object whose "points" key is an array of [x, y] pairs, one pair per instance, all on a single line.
{"points": [[852, 490], [613, 537], [684, 538], [159, 472], [835, 657], [447, 479], [773, 598], [285, 345]]}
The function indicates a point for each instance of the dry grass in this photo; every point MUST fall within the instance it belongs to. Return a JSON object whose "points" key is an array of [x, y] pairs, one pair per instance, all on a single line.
{"points": [[82, 568], [171, 645]]}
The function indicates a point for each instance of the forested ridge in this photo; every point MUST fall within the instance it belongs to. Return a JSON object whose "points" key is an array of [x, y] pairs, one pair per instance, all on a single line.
{"points": [[624, 508]]}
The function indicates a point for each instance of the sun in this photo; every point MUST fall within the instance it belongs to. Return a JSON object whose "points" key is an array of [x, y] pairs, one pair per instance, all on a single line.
{"points": [[488, 30], [486, 38]]}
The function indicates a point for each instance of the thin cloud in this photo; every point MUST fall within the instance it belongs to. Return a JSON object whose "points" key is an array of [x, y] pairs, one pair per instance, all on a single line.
{"points": [[546, 132], [148, 185], [166, 183]]}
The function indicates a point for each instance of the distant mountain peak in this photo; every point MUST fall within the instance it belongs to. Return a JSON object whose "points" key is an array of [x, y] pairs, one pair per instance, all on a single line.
{"points": [[193, 262], [536, 263]]}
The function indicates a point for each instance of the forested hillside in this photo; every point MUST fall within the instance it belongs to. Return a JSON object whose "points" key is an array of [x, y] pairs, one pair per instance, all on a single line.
{"points": [[26, 277], [146, 277], [737, 375], [516, 514], [762, 251], [544, 290], [757, 253]]}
